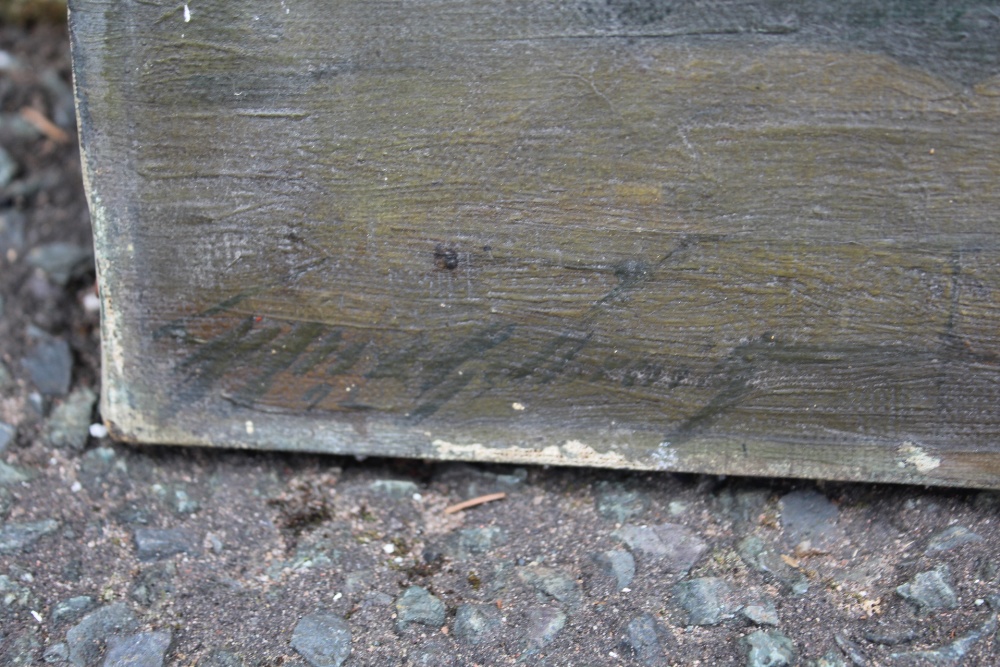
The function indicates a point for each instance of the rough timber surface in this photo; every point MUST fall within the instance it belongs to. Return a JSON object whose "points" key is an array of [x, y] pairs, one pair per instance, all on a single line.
{"points": [[731, 237]]}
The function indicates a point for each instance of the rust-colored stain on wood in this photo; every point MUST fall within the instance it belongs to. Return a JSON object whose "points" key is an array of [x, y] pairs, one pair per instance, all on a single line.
{"points": [[735, 237]]}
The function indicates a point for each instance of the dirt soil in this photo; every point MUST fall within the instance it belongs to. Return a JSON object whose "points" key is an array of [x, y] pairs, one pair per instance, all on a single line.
{"points": [[222, 554]]}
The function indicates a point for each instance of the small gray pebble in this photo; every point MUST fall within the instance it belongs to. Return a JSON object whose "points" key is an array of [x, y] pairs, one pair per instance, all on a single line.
{"points": [[13, 593], [543, 624], [69, 425], [157, 543], [49, 363], [435, 652], [673, 545], [809, 516], [9, 475], [953, 654], [12, 226], [6, 377], [707, 600], [143, 649], [475, 623], [8, 168], [6, 502], [417, 605], [951, 538], [68, 610], [553, 583], [756, 554], [86, 637], [61, 262], [23, 650], [616, 563], [468, 542], [930, 590], [643, 639], [15, 536], [323, 639], [829, 659], [618, 503], [55, 654], [221, 657], [851, 650], [7, 433], [761, 614], [769, 648], [392, 488]]}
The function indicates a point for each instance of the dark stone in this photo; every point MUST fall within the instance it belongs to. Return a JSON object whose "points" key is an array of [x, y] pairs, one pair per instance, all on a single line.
{"points": [[417, 605], [49, 363], [769, 648], [707, 600], [323, 639], [158, 543], [475, 623], [809, 516], [15, 536], [86, 639], [643, 639], [142, 649], [671, 545]]}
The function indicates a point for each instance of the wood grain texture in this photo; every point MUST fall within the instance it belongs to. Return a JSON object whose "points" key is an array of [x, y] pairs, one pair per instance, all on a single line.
{"points": [[731, 237]]}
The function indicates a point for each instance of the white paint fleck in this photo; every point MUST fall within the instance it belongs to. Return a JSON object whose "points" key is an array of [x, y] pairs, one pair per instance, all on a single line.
{"points": [[36, 616], [665, 457], [337, 596], [517, 406], [187, 13], [572, 451], [249, 427], [915, 456], [98, 431], [388, 548]]}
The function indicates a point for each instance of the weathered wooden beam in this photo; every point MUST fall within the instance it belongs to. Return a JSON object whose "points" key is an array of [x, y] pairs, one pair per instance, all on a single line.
{"points": [[737, 237]]}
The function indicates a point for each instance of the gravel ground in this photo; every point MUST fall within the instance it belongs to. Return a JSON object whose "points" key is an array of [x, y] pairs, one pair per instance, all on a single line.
{"points": [[114, 555]]}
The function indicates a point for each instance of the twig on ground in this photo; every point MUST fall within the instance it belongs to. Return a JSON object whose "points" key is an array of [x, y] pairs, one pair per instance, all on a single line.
{"points": [[472, 502]]}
